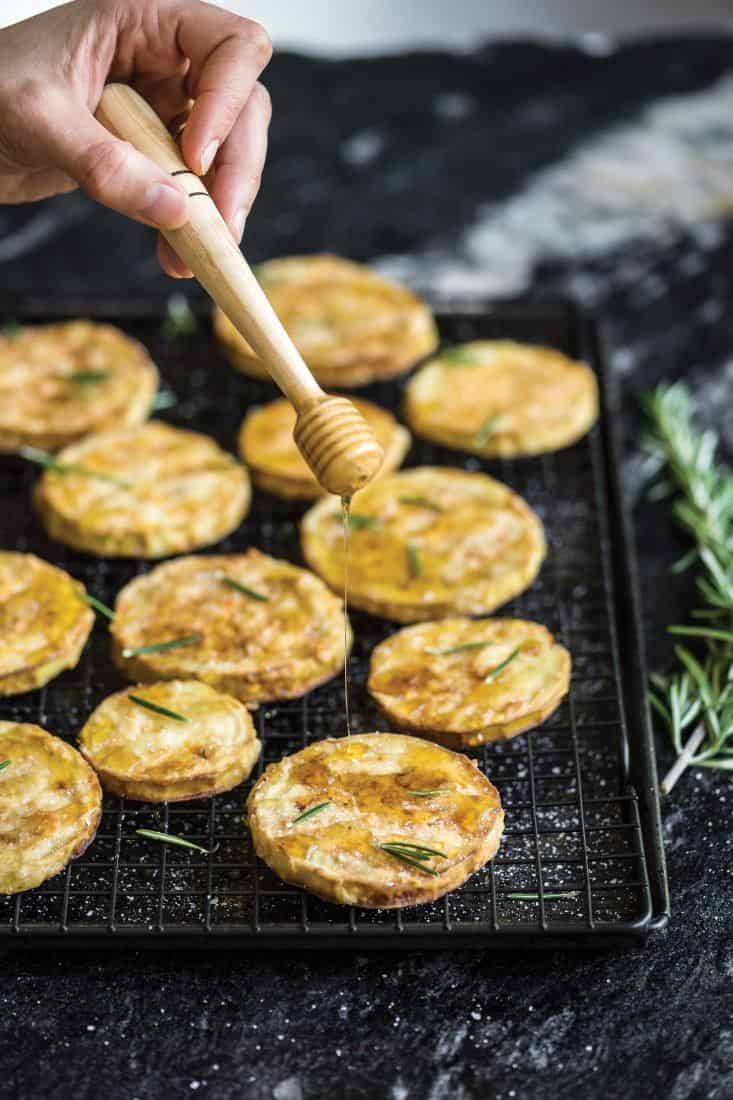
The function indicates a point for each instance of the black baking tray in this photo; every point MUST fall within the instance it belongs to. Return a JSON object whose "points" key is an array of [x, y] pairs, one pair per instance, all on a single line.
{"points": [[580, 792]]}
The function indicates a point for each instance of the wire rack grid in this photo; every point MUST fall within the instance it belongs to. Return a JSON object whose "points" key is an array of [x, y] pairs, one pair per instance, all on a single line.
{"points": [[580, 857]]}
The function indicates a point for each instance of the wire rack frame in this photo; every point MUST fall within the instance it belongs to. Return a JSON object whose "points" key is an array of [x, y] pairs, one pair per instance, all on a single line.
{"points": [[580, 856]]}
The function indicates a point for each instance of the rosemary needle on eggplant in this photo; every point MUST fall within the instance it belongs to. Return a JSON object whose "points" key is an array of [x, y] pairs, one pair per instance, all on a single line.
{"points": [[4, 764], [157, 709], [501, 666], [50, 462], [160, 647], [413, 560], [309, 813], [464, 647], [244, 589]]}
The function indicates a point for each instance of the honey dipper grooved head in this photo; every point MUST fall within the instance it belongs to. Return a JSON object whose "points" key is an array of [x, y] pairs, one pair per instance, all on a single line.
{"points": [[338, 445]]}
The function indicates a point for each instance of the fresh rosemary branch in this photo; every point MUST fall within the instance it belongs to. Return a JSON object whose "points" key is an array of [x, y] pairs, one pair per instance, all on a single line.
{"points": [[179, 841], [156, 709], [697, 697], [309, 813]]}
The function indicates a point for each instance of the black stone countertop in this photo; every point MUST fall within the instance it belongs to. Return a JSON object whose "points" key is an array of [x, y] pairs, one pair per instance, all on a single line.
{"points": [[596, 171]]}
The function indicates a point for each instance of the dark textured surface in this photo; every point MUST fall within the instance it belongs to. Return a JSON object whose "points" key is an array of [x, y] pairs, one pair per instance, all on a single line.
{"points": [[636, 1023]]}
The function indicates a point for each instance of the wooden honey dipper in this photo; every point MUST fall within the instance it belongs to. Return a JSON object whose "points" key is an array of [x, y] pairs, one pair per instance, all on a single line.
{"points": [[332, 435]]}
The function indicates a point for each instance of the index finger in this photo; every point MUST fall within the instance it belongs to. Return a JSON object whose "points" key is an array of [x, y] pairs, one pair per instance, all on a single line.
{"points": [[227, 55]]}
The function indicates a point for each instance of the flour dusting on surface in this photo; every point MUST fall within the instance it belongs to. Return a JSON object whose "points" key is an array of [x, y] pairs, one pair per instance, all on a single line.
{"points": [[648, 182]]}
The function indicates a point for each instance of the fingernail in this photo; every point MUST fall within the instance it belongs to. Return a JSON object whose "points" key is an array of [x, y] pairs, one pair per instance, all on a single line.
{"points": [[164, 206], [238, 222], [208, 155]]}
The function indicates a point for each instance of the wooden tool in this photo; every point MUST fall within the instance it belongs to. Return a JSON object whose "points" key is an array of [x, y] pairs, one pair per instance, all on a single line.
{"points": [[332, 436]]}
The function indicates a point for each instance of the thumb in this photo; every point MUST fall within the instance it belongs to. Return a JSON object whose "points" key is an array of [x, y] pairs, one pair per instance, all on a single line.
{"points": [[114, 173]]}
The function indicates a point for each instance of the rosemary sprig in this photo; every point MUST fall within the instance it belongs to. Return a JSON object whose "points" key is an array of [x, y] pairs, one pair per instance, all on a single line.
{"points": [[179, 318], [50, 462], [160, 647], [244, 589], [413, 560], [487, 429], [359, 522], [413, 855], [4, 764], [464, 647], [502, 665], [99, 606], [309, 813], [696, 700], [429, 792], [421, 502], [156, 709], [83, 377], [179, 841]]}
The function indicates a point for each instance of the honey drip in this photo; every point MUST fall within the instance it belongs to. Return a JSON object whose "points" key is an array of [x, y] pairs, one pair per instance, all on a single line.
{"points": [[345, 520]]}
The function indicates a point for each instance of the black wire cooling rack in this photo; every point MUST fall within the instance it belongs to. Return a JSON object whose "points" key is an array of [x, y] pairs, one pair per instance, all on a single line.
{"points": [[581, 858]]}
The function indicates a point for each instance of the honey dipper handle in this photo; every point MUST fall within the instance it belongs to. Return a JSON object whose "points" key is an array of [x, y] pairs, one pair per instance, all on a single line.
{"points": [[207, 246]]}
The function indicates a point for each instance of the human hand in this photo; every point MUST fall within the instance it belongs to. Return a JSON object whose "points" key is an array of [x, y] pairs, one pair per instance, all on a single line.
{"points": [[53, 69]]}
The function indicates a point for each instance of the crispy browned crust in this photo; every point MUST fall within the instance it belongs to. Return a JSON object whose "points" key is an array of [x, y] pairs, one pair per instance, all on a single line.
{"points": [[351, 325], [40, 404], [50, 806], [390, 884]]}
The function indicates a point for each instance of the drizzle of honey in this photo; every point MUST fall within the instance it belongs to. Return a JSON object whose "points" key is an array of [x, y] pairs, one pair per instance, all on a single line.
{"points": [[345, 521]]}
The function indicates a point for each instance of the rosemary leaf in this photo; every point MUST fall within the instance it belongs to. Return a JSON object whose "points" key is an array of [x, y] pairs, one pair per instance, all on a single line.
{"points": [[243, 588], [164, 399], [179, 841], [487, 429], [359, 522], [413, 560], [702, 632], [421, 502], [429, 793], [403, 858], [457, 356], [11, 330], [418, 851], [4, 764], [160, 647], [309, 813], [502, 665], [99, 606], [156, 709], [83, 377], [464, 647], [50, 462]]}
